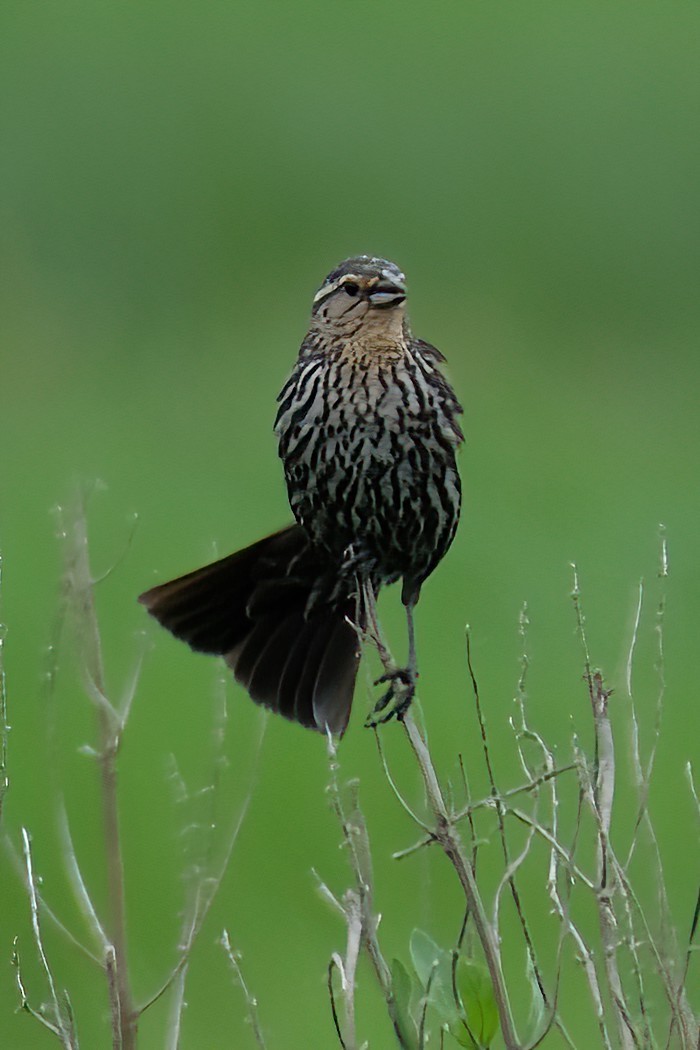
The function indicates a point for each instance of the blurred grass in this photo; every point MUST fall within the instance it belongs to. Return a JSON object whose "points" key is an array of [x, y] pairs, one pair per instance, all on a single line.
{"points": [[176, 180]]}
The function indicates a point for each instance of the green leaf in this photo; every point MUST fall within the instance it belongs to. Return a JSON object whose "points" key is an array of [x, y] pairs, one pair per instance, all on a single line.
{"points": [[433, 966], [402, 990], [424, 955], [537, 1007], [478, 1023]]}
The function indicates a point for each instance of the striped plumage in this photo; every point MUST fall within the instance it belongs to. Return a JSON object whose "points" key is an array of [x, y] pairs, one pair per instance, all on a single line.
{"points": [[367, 429]]}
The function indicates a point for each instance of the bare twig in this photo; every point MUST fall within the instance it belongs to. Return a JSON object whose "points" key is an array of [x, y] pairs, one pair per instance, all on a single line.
{"points": [[346, 966], [357, 907], [250, 1000], [680, 1012], [489, 802], [46, 910], [643, 777], [522, 789], [209, 876], [177, 1005], [4, 728], [60, 1021], [562, 853], [77, 881], [560, 898], [392, 784], [110, 725], [332, 966], [600, 795], [472, 825], [448, 837], [24, 1003], [682, 1017], [113, 989], [510, 867], [689, 1023], [445, 833]]}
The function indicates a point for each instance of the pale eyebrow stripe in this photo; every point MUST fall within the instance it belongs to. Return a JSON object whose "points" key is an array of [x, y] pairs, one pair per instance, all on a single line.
{"points": [[329, 288]]}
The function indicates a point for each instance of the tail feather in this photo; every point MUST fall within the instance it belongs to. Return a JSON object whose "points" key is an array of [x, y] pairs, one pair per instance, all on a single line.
{"points": [[296, 656], [304, 696], [335, 680], [292, 671], [266, 673]]}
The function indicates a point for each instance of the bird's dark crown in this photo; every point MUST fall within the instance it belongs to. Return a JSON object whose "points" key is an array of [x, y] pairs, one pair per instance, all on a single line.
{"points": [[366, 266]]}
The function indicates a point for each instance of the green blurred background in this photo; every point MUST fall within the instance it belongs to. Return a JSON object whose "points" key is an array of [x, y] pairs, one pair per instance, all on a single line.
{"points": [[177, 178]]}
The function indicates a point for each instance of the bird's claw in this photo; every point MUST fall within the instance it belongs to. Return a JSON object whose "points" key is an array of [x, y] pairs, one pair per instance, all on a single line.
{"points": [[397, 699]]}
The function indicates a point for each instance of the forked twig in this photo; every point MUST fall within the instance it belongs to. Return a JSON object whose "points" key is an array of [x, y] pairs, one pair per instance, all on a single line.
{"points": [[48, 912], [600, 794], [110, 725], [447, 835], [207, 885], [61, 1022], [357, 909]]}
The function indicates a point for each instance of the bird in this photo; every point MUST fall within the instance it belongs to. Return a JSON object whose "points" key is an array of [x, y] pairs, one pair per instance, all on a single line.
{"points": [[368, 432]]}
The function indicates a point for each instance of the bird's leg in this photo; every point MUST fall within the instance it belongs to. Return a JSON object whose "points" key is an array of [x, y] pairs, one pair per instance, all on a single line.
{"points": [[402, 680], [372, 630]]}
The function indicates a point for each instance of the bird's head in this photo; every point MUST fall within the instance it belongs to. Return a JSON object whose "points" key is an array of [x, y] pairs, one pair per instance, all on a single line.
{"points": [[362, 293]]}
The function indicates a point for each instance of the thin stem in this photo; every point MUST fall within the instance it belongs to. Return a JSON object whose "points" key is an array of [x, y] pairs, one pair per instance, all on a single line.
{"points": [[251, 1001], [357, 906], [108, 731], [75, 875], [500, 809], [46, 910], [601, 794], [448, 837], [177, 1004], [62, 1026], [333, 965], [4, 728], [207, 887]]}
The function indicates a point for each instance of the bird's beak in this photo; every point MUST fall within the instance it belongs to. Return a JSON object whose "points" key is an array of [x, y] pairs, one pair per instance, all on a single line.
{"points": [[386, 291]]}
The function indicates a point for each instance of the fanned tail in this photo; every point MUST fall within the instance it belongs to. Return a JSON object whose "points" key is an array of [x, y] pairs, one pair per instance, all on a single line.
{"points": [[285, 636]]}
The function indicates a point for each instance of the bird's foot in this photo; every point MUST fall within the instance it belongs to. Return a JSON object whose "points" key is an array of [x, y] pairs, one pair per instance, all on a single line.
{"points": [[397, 699]]}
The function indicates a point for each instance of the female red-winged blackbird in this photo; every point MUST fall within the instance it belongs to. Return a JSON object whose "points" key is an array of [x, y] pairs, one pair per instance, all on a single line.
{"points": [[367, 429]]}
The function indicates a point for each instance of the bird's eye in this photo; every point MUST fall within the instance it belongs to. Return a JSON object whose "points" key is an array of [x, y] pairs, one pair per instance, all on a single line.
{"points": [[351, 288]]}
